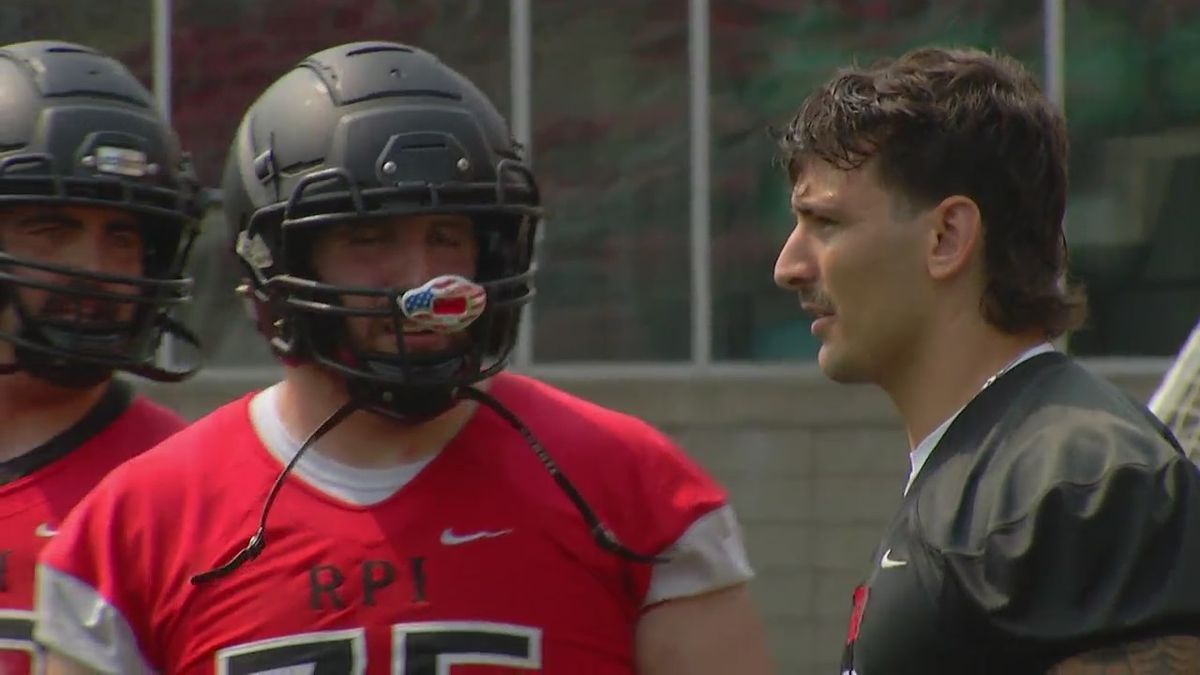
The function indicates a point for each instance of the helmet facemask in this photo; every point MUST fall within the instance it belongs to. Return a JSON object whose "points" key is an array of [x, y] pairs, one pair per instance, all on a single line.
{"points": [[89, 323], [310, 318]]}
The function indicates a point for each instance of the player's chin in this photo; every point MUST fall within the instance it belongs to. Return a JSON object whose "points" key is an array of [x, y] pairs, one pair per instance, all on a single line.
{"points": [[426, 343], [838, 365]]}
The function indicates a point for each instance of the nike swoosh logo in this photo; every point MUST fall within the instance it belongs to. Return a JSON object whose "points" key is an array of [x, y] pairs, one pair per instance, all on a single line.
{"points": [[451, 539], [45, 531], [888, 562]]}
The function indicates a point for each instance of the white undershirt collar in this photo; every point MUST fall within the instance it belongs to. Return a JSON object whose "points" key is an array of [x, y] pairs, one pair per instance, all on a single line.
{"points": [[362, 487]]}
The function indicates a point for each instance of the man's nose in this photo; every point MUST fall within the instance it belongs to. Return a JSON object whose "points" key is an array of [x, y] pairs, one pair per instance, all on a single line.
{"points": [[795, 267], [410, 267]]}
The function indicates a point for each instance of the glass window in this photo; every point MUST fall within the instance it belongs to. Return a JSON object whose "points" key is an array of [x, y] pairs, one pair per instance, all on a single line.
{"points": [[610, 145], [227, 51], [1133, 105], [766, 57]]}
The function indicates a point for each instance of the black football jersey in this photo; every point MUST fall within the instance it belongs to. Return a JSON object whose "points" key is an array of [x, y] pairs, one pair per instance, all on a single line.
{"points": [[1055, 516]]}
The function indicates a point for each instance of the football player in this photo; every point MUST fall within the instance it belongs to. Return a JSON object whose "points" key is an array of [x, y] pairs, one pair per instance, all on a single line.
{"points": [[97, 211], [397, 504], [1050, 523]]}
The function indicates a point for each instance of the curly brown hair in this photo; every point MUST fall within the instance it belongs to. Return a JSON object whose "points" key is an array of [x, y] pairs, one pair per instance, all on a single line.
{"points": [[939, 122]]}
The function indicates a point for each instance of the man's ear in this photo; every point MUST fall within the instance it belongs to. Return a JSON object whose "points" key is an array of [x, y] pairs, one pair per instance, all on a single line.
{"points": [[955, 234]]}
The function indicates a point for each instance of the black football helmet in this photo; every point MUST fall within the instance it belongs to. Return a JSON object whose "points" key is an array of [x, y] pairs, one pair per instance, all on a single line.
{"points": [[77, 128], [374, 129]]}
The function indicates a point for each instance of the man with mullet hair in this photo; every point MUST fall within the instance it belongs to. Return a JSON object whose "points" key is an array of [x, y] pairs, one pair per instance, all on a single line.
{"points": [[1050, 523]]}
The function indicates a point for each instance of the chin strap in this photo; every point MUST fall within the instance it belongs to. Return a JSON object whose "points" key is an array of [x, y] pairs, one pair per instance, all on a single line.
{"points": [[600, 532], [259, 541], [602, 535]]}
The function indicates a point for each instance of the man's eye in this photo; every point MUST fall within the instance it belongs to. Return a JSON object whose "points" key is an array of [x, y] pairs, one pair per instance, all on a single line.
{"points": [[127, 238], [822, 222], [449, 239]]}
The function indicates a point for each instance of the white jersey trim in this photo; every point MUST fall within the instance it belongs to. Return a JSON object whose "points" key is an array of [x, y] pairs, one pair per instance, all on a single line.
{"points": [[74, 621], [709, 556]]}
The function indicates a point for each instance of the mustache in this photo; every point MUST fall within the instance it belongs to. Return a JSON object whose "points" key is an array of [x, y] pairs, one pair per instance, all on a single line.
{"points": [[82, 307], [817, 298]]}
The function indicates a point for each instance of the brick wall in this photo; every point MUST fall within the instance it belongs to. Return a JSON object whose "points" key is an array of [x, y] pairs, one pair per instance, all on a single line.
{"points": [[814, 470]]}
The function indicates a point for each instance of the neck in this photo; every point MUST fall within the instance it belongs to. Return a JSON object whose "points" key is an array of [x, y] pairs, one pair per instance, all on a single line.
{"points": [[308, 395], [33, 411], [948, 371]]}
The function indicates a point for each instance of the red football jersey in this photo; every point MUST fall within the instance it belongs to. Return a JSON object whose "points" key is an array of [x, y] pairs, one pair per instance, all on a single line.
{"points": [[477, 566], [32, 507]]}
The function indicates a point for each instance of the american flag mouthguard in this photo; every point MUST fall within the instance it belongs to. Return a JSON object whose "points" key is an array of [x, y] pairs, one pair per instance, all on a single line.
{"points": [[444, 304]]}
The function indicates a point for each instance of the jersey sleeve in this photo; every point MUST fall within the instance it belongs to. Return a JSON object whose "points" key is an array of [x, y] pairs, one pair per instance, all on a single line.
{"points": [[688, 521], [1090, 563], [88, 607]]}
